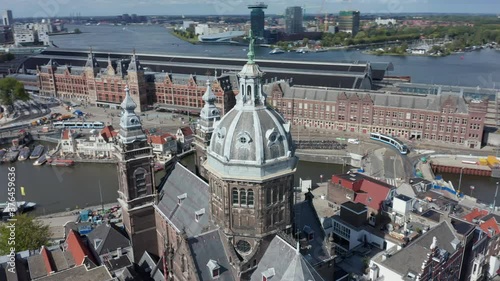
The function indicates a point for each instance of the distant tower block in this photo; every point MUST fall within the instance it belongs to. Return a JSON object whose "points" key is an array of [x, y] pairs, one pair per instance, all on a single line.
{"points": [[257, 19]]}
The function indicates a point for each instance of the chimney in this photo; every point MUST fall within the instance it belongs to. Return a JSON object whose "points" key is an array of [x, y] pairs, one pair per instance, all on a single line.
{"points": [[434, 243], [119, 252]]}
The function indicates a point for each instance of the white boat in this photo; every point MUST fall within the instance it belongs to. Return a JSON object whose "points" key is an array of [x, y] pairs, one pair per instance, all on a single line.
{"points": [[302, 50], [276, 51], [41, 160], [9, 207]]}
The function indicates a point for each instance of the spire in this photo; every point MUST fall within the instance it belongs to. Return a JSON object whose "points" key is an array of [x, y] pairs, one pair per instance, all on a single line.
{"points": [[110, 69], [209, 112], [128, 104], [130, 124], [134, 62], [251, 52], [91, 61], [209, 96]]}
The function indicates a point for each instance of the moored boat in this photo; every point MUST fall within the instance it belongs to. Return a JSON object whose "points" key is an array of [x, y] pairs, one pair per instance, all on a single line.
{"points": [[62, 162], [41, 160], [302, 50], [24, 153], [19, 205], [11, 156], [37, 151], [276, 51], [3, 151]]}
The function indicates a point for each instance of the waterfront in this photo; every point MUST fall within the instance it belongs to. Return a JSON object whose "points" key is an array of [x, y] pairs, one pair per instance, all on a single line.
{"points": [[55, 189], [480, 68]]}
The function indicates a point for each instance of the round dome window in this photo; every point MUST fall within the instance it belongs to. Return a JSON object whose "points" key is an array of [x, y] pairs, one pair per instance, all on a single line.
{"points": [[243, 246]]}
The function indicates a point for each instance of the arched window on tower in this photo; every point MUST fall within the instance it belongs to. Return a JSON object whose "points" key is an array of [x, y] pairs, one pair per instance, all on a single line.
{"points": [[249, 92], [235, 196], [243, 197], [281, 194], [275, 194], [250, 198]]}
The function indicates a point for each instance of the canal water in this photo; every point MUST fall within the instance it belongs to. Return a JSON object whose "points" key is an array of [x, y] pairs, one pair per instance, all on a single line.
{"points": [[475, 69], [55, 189]]}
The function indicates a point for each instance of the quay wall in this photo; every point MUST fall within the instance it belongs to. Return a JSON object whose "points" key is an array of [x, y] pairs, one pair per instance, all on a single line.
{"points": [[341, 159], [457, 170]]}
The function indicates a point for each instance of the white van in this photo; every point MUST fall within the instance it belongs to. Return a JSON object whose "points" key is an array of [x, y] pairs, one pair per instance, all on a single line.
{"points": [[353, 141]]}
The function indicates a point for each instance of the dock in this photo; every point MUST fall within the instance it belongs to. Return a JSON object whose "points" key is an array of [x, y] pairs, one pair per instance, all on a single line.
{"points": [[459, 164]]}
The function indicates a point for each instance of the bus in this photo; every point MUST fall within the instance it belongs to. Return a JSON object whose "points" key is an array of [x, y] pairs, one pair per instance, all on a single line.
{"points": [[399, 145], [78, 125]]}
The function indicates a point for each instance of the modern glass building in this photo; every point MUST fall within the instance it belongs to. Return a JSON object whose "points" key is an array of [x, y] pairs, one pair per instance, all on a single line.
{"points": [[293, 20], [257, 19], [349, 22]]}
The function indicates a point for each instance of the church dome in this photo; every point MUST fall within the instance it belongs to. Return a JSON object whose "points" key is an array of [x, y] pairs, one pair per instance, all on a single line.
{"points": [[251, 137], [251, 140]]}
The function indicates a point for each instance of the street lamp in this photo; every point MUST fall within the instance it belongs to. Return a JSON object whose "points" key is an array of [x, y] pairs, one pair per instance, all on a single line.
{"points": [[460, 180], [471, 189], [495, 199]]}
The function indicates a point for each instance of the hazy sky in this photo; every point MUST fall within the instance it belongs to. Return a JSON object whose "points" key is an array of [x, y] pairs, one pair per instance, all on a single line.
{"points": [[54, 8]]}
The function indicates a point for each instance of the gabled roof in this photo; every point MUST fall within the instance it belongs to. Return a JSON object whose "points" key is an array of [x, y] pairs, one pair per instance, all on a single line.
{"points": [[78, 249], [159, 139], [209, 247], [107, 238], [80, 273], [284, 262], [475, 214], [306, 217], [108, 133], [186, 131], [411, 257], [179, 181], [490, 227], [153, 265]]}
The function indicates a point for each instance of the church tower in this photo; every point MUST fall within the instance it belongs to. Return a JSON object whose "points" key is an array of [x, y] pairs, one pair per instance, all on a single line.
{"points": [[90, 71], [137, 191], [250, 167], [208, 116], [136, 82]]}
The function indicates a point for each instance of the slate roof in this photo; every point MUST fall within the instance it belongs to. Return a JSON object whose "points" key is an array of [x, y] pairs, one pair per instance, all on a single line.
{"points": [[152, 264], [387, 99], [305, 215], [286, 262], [80, 273], [206, 247], [411, 257], [178, 181], [111, 239], [118, 263]]}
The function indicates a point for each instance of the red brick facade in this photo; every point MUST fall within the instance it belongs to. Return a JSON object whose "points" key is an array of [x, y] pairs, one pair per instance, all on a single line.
{"points": [[356, 112]]}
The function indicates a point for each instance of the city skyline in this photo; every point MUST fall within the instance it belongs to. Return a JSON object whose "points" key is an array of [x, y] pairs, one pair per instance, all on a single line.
{"points": [[63, 8]]}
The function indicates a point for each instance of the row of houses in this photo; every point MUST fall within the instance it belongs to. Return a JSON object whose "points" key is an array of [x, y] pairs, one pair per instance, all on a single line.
{"points": [[101, 144], [408, 233]]}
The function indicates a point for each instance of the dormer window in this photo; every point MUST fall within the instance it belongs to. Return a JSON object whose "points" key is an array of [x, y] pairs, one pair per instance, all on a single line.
{"points": [[214, 268], [198, 214], [181, 198], [309, 232], [268, 274]]}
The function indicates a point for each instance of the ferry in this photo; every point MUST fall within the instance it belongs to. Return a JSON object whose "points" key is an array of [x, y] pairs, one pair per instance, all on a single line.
{"points": [[41, 160], [276, 51], [37, 151], [62, 162], [24, 153]]}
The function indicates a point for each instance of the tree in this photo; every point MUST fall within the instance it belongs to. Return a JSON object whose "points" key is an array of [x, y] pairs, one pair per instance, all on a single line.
{"points": [[12, 90], [27, 233], [77, 31]]}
